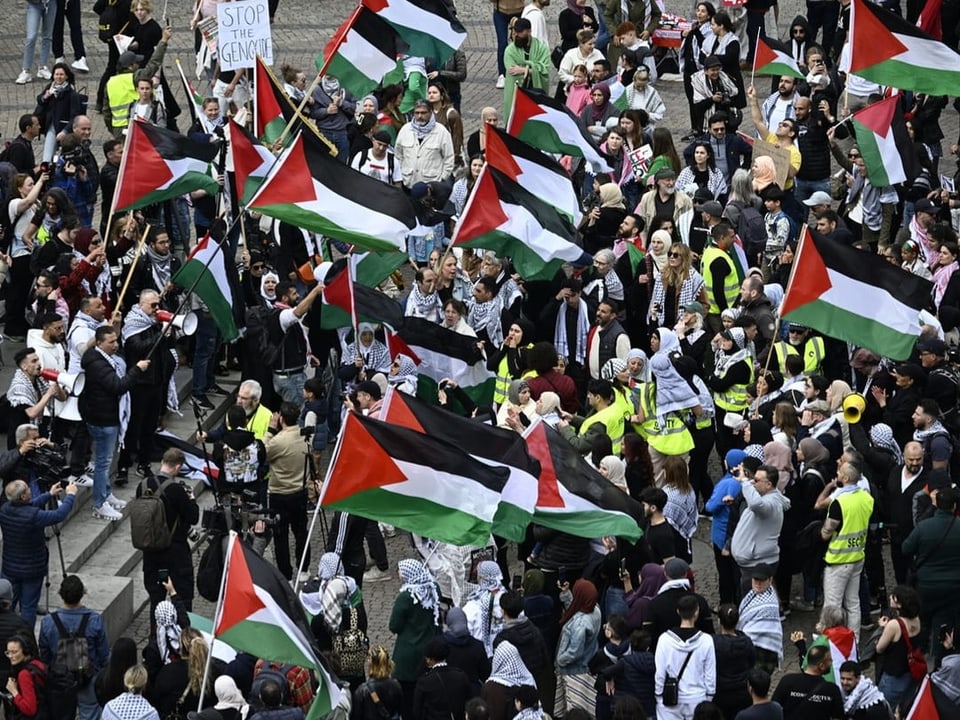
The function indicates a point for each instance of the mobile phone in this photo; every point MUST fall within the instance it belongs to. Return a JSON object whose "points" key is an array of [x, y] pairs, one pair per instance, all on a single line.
{"points": [[623, 565], [44, 167], [562, 574], [517, 582], [944, 629], [163, 575]]}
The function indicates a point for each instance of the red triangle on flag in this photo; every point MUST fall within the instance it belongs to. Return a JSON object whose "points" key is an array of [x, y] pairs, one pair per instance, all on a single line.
{"points": [[240, 599], [524, 108], [764, 55], [146, 171], [361, 464], [340, 35], [376, 5], [924, 705], [548, 486], [267, 107], [395, 410], [809, 279], [337, 292], [878, 117], [483, 213], [293, 185], [497, 154], [398, 346], [873, 43]]}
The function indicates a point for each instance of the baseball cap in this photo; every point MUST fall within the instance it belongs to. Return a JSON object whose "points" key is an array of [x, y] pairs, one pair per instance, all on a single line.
{"points": [[761, 572], [934, 346], [676, 569], [382, 136], [712, 208], [694, 307], [128, 58], [819, 406], [818, 198], [702, 195], [925, 205], [712, 61]]}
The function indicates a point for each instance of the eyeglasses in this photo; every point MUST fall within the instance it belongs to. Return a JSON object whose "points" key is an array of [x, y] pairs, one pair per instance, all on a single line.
{"points": [[673, 254], [853, 155], [97, 241], [796, 332], [154, 305], [258, 266]]}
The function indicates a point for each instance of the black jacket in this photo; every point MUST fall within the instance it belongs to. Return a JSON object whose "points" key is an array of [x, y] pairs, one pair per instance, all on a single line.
{"points": [[663, 613], [528, 640], [100, 400], [137, 347], [441, 694], [468, 654]]}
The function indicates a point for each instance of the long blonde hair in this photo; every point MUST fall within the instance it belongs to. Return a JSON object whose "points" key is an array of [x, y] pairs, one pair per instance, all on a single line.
{"points": [[195, 648], [675, 277]]}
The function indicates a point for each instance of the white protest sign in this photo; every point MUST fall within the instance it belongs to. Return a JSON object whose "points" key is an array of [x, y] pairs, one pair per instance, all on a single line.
{"points": [[243, 33]]}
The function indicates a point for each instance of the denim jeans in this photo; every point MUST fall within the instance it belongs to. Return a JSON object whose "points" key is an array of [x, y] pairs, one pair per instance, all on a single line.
{"points": [[841, 588], [205, 353], [290, 387], [26, 595], [803, 189], [342, 142], [86, 697], [501, 23], [104, 439], [40, 21], [893, 687]]}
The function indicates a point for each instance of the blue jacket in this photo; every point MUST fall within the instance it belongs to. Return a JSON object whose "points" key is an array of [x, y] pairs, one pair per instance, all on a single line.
{"points": [[728, 485], [98, 647], [25, 553]]}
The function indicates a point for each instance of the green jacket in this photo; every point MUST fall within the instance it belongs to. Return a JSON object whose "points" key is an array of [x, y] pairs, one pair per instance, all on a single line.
{"points": [[937, 551], [414, 627], [537, 58]]}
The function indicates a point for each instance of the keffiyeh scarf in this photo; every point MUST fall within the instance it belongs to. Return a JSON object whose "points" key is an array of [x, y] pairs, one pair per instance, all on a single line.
{"points": [[881, 435], [583, 328], [426, 306], [168, 632], [161, 267], [508, 668], [419, 583], [864, 695], [123, 409]]}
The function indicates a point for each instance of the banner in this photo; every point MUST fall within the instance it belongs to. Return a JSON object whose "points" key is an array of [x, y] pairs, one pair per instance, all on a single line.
{"points": [[243, 33]]}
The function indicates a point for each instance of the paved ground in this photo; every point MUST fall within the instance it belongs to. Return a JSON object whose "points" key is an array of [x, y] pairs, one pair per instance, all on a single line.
{"points": [[303, 26]]}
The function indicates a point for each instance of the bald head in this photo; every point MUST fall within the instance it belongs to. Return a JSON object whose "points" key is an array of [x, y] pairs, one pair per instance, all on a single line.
{"points": [[82, 127]]}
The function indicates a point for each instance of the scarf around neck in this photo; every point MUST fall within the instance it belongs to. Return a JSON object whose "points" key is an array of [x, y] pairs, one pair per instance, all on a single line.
{"points": [[421, 130], [161, 266]]}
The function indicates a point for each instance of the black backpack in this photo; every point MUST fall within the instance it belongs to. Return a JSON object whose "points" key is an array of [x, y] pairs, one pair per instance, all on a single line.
{"points": [[261, 340], [751, 229], [70, 670], [109, 20], [278, 675]]}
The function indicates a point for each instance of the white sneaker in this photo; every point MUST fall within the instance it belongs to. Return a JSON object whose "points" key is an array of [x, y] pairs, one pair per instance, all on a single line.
{"points": [[43, 73], [24, 77], [501, 81], [81, 480], [59, 60], [107, 512], [115, 502], [376, 575], [80, 65]]}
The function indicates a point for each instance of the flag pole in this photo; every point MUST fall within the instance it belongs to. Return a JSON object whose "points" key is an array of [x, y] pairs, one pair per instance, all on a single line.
{"points": [[133, 266], [756, 50], [120, 174], [306, 549], [216, 617]]}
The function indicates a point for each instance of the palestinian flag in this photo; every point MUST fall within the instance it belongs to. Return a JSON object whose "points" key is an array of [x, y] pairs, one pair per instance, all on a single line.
{"points": [[194, 99], [773, 58], [429, 27], [414, 481], [362, 51], [214, 280], [259, 614], [855, 296], [618, 95], [443, 354], [884, 143], [273, 109], [490, 445], [572, 496], [159, 164], [251, 161], [313, 191], [543, 122], [534, 170], [503, 216], [629, 263], [365, 300], [886, 49]]}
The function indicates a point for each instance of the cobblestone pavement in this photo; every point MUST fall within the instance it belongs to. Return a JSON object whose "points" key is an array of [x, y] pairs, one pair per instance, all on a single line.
{"points": [[303, 26]]}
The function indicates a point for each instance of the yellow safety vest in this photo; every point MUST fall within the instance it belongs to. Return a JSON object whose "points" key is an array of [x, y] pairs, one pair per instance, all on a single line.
{"points": [[731, 285], [849, 544], [813, 353], [502, 384], [120, 92], [671, 438], [259, 422], [734, 398], [612, 419]]}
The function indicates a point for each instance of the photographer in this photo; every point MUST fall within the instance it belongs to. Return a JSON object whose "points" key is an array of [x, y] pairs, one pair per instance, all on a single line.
{"points": [[25, 554], [287, 490], [175, 564], [35, 459], [74, 177]]}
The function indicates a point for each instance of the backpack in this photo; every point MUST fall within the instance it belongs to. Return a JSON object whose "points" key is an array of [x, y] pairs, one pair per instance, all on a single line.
{"points": [[38, 672], [109, 20], [210, 569], [278, 675], [363, 161], [148, 518], [951, 415], [260, 338], [70, 670], [751, 229]]}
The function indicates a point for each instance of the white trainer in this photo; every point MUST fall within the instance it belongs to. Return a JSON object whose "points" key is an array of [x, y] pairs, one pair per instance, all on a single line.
{"points": [[24, 77], [107, 512], [115, 502], [80, 65], [501, 81], [43, 73]]}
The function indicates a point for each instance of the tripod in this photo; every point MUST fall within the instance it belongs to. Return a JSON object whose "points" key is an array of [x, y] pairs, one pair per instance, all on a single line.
{"points": [[310, 470], [51, 505]]}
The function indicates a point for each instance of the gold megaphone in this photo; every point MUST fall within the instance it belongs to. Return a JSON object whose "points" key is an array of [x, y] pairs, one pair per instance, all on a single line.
{"points": [[853, 407]]}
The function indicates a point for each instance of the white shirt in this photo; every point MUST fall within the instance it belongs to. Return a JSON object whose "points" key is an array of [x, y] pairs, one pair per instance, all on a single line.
{"points": [[538, 23]]}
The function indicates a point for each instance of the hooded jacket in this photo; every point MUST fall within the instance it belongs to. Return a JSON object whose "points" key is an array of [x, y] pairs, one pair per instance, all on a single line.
{"points": [[699, 681], [755, 540]]}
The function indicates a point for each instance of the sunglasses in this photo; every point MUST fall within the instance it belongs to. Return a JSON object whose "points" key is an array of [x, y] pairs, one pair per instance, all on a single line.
{"points": [[673, 254], [853, 155], [155, 305], [258, 266], [98, 241]]}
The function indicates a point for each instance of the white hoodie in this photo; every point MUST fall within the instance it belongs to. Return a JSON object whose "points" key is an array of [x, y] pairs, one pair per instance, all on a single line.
{"points": [[699, 681]]}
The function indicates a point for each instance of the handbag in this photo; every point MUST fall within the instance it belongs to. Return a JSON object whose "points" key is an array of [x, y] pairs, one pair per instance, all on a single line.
{"points": [[352, 646], [671, 685], [178, 712], [916, 662], [556, 56]]}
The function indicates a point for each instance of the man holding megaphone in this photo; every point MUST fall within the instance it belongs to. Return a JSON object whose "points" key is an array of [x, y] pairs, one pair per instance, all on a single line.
{"points": [[29, 393]]}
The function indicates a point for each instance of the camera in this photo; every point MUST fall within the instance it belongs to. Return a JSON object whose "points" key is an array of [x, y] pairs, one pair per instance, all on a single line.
{"points": [[74, 156], [220, 520], [49, 462]]}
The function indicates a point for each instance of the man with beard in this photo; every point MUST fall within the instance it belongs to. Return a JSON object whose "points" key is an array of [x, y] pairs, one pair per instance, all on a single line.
{"points": [[527, 62], [424, 148], [665, 200], [28, 393], [157, 266], [780, 105]]}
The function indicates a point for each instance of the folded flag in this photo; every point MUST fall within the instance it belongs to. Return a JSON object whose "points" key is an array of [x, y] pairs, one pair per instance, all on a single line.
{"points": [[366, 301], [273, 110], [251, 160], [490, 445], [534, 170], [855, 296], [572, 496], [429, 27], [885, 144], [159, 164], [886, 49], [503, 216], [541, 121], [417, 482], [214, 280], [362, 51], [773, 58], [312, 190]]}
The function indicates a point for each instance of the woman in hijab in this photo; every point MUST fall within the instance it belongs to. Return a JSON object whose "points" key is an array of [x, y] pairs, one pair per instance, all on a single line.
{"points": [[519, 410], [764, 172], [509, 361], [652, 577], [330, 599], [466, 652], [836, 392], [599, 112], [601, 225], [364, 357], [660, 242], [482, 608], [403, 374], [579, 633], [732, 373], [815, 471], [415, 620], [268, 288], [614, 470], [230, 702], [778, 455], [508, 674], [638, 367], [548, 408]]}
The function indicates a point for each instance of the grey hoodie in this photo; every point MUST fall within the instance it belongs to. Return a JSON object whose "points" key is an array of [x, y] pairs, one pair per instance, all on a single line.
{"points": [[755, 538]]}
